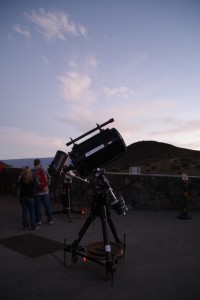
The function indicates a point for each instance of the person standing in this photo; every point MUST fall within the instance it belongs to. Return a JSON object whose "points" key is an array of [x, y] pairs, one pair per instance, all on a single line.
{"points": [[26, 194], [41, 192]]}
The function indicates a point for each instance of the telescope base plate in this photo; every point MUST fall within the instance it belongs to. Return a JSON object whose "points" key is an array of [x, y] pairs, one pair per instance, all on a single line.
{"points": [[97, 250]]}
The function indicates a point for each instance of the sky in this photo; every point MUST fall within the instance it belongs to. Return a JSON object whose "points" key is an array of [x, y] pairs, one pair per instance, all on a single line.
{"points": [[68, 65]]}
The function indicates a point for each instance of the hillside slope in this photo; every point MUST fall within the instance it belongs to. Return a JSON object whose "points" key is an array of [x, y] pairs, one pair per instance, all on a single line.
{"points": [[157, 157]]}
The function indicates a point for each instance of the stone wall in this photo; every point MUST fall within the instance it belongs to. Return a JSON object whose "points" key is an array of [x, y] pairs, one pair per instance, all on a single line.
{"points": [[9, 178], [151, 192]]}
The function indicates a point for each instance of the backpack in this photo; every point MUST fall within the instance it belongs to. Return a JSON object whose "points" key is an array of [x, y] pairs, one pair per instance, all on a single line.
{"points": [[41, 180]]}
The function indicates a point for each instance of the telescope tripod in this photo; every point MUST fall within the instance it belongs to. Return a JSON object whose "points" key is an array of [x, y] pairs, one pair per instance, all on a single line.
{"points": [[107, 253]]}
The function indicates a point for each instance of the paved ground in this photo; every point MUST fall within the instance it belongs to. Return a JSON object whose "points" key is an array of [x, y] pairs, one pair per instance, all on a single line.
{"points": [[162, 259]]}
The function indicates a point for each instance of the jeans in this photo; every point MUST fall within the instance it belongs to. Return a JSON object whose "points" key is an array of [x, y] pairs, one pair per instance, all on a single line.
{"points": [[28, 212], [45, 200]]}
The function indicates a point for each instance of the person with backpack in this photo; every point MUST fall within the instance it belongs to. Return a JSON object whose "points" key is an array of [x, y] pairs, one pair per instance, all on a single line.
{"points": [[42, 182], [26, 196]]}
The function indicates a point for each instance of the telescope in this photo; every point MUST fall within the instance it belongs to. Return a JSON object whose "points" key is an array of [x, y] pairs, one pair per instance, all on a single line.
{"points": [[87, 158], [90, 156], [93, 153]]}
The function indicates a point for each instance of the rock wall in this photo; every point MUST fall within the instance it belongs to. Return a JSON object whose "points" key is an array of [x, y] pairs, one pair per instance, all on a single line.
{"points": [[9, 179], [149, 192]]}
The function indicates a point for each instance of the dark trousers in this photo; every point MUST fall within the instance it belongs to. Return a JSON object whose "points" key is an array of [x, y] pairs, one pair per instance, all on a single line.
{"points": [[28, 212], [45, 200]]}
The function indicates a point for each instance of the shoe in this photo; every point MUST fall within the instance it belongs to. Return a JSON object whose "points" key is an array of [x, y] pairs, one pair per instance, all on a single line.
{"points": [[39, 222], [36, 227], [50, 222]]}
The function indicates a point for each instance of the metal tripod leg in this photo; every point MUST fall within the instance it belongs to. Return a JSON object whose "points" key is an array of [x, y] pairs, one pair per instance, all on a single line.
{"points": [[69, 206], [113, 230], [75, 245], [109, 265], [83, 230], [107, 246]]}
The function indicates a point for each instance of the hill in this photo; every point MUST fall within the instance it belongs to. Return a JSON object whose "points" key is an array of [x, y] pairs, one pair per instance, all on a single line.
{"points": [[152, 157], [159, 158]]}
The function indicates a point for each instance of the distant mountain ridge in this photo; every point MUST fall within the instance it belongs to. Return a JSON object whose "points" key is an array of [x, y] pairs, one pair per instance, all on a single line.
{"points": [[20, 163], [150, 156]]}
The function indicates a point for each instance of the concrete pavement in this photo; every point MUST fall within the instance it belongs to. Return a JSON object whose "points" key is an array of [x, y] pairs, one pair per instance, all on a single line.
{"points": [[162, 260]]}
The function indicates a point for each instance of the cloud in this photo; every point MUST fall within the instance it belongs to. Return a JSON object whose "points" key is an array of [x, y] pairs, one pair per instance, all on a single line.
{"points": [[76, 88], [135, 117], [55, 24], [112, 39], [73, 65], [82, 30], [191, 145], [118, 92], [25, 32], [45, 60], [92, 62], [129, 67], [178, 126], [29, 144], [132, 118], [81, 118], [177, 131]]}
